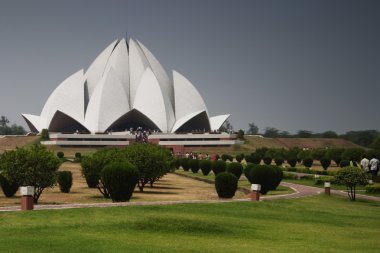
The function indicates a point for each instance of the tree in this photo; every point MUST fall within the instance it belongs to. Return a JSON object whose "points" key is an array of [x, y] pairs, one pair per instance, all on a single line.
{"points": [[376, 143], [252, 129], [304, 134], [240, 134], [34, 166], [362, 138], [335, 154], [151, 160], [329, 134], [3, 121], [271, 132], [351, 177]]}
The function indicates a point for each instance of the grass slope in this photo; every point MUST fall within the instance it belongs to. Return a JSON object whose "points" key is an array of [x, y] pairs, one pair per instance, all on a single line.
{"points": [[316, 224]]}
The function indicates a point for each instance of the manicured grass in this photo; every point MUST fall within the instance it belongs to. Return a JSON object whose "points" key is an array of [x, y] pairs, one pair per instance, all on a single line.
{"points": [[314, 224], [359, 189], [243, 182]]}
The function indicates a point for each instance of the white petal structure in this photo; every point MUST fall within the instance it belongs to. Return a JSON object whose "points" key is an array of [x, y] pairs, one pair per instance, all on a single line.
{"points": [[126, 86], [217, 121]]}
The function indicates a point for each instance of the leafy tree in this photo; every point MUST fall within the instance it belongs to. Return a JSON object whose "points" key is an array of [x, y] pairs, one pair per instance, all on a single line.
{"points": [[318, 153], [34, 166], [351, 177], [271, 132], [151, 160], [335, 154], [10, 130], [240, 134], [252, 129], [3, 121], [329, 134], [304, 134], [376, 143], [353, 154], [362, 138]]}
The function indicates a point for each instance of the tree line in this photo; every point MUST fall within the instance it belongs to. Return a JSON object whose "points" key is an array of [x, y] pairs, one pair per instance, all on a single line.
{"points": [[365, 138], [6, 129]]}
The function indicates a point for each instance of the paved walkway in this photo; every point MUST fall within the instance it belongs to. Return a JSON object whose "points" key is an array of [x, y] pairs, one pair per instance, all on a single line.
{"points": [[299, 192]]}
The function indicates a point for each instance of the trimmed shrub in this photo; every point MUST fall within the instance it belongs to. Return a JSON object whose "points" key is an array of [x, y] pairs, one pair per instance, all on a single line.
{"points": [[45, 135], [120, 179], [78, 157], [185, 164], [292, 161], [279, 161], [177, 163], [194, 165], [226, 157], [335, 154], [325, 162], [218, 166], [9, 188], [267, 160], [239, 158], [205, 166], [372, 189], [269, 177], [235, 168], [344, 163], [90, 171], [65, 181], [247, 171], [60, 154], [226, 184], [353, 154], [307, 162], [287, 175]]}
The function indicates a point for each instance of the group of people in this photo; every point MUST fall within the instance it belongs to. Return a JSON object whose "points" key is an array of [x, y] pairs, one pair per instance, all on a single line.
{"points": [[370, 166]]}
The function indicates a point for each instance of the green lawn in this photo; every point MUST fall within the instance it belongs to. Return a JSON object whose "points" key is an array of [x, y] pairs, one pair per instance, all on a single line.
{"points": [[314, 224]]}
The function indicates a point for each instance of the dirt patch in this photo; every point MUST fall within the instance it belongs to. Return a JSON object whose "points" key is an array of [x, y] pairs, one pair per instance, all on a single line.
{"points": [[170, 188]]}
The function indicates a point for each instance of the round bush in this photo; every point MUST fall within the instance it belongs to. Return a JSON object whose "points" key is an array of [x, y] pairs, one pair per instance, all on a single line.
{"points": [[218, 166], [177, 163], [267, 160], [307, 162], [269, 177], [65, 181], [205, 166], [253, 158], [325, 162], [279, 161], [78, 155], [235, 168], [226, 157], [344, 163], [120, 180], [194, 165], [9, 188], [185, 164], [292, 162], [239, 158], [60, 154], [226, 184], [247, 171]]}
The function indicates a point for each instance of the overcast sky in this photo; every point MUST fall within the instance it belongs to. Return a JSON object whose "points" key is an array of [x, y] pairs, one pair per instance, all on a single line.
{"points": [[286, 64]]}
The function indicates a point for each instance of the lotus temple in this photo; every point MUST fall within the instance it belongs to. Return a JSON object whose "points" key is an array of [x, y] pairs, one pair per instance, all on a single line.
{"points": [[126, 89]]}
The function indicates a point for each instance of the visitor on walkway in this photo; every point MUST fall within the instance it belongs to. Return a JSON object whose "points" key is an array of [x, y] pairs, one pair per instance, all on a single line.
{"points": [[365, 164], [374, 166]]}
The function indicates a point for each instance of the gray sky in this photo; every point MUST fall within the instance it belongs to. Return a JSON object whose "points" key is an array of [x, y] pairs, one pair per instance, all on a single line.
{"points": [[287, 64]]}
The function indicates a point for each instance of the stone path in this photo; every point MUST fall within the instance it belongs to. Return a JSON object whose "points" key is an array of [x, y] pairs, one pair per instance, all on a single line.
{"points": [[299, 192]]}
